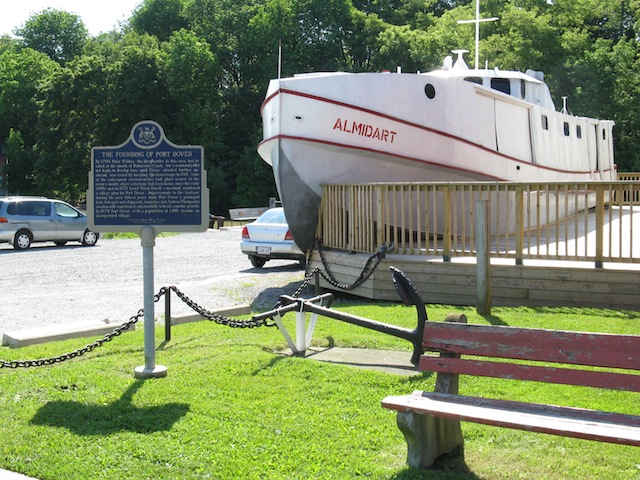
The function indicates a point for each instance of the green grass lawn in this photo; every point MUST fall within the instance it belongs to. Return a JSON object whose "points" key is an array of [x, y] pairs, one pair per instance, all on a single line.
{"points": [[231, 407]]}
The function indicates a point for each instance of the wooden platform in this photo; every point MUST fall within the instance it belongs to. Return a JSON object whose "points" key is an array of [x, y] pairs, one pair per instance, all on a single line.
{"points": [[536, 283]]}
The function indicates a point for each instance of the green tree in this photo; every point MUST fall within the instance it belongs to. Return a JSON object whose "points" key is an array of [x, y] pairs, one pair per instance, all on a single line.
{"points": [[7, 42], [522, 39], [95, 101], [56, 33], [159, 18], [411, 49], [193, 76], [257, 184], [21, 75], [21, 167]]}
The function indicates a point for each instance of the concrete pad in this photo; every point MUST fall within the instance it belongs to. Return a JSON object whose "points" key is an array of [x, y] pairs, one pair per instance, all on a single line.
{"points": [[388, 361], [33, 336], [8, 475]]}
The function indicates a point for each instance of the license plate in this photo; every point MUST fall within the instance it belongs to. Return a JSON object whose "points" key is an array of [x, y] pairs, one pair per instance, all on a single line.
{"points": [[263, 250]]}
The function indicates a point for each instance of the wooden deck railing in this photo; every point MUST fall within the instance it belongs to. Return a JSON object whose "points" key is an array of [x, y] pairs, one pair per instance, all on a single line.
{"points": [[557, 221]]}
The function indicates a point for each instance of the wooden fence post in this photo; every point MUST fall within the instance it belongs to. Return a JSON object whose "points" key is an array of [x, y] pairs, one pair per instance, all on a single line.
{"points": [[483, 258]]}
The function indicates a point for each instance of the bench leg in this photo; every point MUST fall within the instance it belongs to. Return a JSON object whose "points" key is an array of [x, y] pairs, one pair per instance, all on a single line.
{"points": [[428, 437]]}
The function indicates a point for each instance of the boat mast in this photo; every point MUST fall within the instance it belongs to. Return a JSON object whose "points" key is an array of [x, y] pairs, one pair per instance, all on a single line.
{"points": [[477, 22], [279, 57]]}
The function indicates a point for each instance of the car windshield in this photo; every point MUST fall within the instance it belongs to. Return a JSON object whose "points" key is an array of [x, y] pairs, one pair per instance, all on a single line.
{"points": [[275, 215]]}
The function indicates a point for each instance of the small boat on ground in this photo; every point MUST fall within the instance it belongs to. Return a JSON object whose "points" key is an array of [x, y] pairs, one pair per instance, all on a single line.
{"points": [[452, 124]]}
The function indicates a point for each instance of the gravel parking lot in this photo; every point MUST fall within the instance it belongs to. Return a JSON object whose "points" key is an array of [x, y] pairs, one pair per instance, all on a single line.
{"points": [[48, 285]]}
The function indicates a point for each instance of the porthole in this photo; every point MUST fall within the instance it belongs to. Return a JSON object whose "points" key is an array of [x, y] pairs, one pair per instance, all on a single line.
{"points": [[298, 117], [578, 131], [430, 91]]}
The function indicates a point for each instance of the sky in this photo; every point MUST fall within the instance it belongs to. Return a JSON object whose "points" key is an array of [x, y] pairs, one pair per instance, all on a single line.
{"points": [[97, 15]]}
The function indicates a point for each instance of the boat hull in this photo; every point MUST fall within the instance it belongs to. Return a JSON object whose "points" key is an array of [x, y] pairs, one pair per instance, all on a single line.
{"points": [[464, 134]]}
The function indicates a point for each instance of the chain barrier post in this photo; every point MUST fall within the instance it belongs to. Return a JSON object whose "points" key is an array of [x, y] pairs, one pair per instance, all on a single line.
{"points": [[316, 281], [150, 369], [167, 315]]}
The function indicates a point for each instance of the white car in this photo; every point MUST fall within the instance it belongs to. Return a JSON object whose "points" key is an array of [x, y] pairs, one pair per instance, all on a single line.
{"points": [[24, 220], [269, 238]]}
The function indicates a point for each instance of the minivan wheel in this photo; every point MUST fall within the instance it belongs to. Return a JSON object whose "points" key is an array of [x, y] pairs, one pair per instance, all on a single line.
{"points": [[89, 238], [22, 240]]}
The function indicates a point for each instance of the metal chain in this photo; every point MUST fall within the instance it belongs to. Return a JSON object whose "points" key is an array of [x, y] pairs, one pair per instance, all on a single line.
{"points": [[364, 275], [86, 349], [367, 271], [303, 285], [219, 319]]}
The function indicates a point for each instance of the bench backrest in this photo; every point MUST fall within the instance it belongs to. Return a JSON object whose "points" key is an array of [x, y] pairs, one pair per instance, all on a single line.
{"points": [[246, 213], [559, 347]]}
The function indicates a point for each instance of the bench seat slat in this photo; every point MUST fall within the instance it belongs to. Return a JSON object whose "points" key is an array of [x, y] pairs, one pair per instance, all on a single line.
{"points": [[565, 421], [564, 376], [599, 349]]}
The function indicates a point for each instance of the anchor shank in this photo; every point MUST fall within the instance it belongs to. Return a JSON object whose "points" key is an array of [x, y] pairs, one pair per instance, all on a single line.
{"points": [[393, 330]]}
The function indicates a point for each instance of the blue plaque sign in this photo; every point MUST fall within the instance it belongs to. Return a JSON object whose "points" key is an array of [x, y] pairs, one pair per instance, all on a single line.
{"points": [[148, 181]]}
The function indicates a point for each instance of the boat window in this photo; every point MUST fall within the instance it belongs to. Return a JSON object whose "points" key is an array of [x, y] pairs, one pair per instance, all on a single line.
{"points": [[566, 129], [604, 134], [501, 84], [579, 131], [545, 122], [429, 90], [477, 80], [523, 89]]}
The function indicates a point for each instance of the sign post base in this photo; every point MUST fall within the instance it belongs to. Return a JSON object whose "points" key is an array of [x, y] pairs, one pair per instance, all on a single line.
{"points": [[158, 371]]}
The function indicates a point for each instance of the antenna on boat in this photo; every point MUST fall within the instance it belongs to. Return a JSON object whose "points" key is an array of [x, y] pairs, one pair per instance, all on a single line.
{"points": [[477, 22], [279, 57]]}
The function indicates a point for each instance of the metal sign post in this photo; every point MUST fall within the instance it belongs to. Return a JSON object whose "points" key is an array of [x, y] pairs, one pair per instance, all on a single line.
{"points": [[146, 186], [150, 369]]}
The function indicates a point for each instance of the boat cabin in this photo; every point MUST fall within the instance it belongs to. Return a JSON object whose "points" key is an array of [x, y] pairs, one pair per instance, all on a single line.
{"points": [[529, 86]]}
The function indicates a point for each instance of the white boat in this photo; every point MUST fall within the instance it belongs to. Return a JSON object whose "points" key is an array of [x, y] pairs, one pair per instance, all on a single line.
{"points": [[452, 124]]}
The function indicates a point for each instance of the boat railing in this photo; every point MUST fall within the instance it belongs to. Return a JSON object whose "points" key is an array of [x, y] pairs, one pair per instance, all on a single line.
{"points": [[584, 221]]}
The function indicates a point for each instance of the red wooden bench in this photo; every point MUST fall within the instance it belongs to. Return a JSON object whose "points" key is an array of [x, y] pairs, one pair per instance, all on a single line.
{"points": [[430, 421]]}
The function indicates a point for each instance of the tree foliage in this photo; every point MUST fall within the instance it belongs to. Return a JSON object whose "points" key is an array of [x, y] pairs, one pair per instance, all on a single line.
{"points": [[56, 33], [201, 67]]}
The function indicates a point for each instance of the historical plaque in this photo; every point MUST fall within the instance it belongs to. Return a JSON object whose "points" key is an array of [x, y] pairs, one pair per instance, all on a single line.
{"points": [[148, 181]]}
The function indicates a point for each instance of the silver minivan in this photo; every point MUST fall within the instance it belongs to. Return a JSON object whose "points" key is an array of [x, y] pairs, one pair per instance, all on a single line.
{"points": [[24, 220]]}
